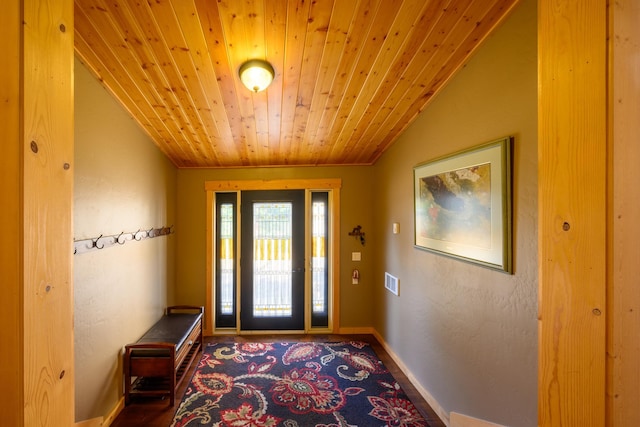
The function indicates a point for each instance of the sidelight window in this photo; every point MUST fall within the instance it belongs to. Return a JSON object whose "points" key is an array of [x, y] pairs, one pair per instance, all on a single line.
{"points": [[319, 259], [226, 260]]}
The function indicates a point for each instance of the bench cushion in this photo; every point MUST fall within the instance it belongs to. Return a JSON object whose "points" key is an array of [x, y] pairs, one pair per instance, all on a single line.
{"points": [[172, 328]]}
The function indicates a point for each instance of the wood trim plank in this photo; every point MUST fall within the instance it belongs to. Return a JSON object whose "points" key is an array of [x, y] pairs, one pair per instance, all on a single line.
{"points": [[572, 212]]}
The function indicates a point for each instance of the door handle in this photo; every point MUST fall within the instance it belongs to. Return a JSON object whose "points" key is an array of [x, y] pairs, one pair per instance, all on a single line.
{"points": [[298, 270]]}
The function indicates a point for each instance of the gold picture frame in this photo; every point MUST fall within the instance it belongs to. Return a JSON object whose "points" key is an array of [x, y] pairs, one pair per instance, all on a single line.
{"points": [[462, 205]]}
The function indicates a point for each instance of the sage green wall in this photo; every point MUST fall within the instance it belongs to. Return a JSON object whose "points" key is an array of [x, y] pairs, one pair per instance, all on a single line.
{"points": [[122, 183], [356, 201], [467, 333]]}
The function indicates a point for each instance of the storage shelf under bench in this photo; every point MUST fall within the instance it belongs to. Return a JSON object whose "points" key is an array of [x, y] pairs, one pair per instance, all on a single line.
{"points": [[157, 363]]}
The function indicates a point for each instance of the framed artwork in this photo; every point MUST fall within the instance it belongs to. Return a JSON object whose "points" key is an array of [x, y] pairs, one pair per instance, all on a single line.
{"points": [[462, 205]]}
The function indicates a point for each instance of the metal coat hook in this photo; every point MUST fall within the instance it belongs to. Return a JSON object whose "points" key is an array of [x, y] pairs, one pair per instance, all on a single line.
{"points": [[123, 240], [95, 243]]}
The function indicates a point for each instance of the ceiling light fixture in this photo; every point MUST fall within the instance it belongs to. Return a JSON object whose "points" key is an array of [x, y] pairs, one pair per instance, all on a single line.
{"points": [[256, 74]]}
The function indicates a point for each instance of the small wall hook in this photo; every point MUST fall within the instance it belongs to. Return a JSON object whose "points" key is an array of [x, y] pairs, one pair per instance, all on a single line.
{"points": [[358, 233], [121, 242], [95, 243]]}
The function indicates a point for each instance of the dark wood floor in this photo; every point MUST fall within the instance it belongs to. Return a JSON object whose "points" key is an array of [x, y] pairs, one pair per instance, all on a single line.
{"points": [[157, 413]]}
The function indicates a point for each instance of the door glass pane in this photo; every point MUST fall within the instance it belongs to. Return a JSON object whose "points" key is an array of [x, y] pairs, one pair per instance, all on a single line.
{"points": [[226, 259], [319, 256], [226, 263], [272, 232]]}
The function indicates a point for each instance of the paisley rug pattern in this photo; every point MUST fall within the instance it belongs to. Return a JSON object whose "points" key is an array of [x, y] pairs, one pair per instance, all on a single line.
{"points": [[321, 384]]}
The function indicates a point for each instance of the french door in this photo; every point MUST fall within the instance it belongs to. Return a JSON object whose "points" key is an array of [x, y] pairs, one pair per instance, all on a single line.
{"points": [[271, 260]]}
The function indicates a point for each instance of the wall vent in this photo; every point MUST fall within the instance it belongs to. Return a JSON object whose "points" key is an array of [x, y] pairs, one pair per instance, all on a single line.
{"points": [[392, 283]]}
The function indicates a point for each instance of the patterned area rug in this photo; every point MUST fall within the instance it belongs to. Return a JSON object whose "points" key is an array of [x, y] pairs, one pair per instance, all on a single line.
{"points": [[294, 384]]}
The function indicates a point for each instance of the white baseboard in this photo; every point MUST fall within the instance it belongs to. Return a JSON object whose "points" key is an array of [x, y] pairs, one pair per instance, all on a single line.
{"points": [[114, 413], [93, 422], [459, 420], [444, 416]]}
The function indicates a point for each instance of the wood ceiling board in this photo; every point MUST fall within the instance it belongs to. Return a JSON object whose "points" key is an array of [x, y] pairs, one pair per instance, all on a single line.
{"points": [[122, 85], [350, 76], [439, 76]]}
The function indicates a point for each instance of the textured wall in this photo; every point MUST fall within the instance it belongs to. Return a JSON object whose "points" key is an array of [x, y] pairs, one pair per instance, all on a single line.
{"points": [[122, 183], [468, 333]]}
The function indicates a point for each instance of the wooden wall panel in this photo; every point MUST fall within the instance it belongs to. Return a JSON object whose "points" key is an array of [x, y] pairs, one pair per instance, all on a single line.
{"points": [[623, 368], [47, 143], [572, 182], [37, 130], [11, 392]]}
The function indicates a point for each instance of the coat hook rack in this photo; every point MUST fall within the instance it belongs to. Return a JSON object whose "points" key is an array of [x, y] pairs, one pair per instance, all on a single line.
{"points": [[96, 243], [358, 233]]}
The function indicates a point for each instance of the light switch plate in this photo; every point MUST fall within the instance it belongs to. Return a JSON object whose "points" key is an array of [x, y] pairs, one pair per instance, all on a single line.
{"points": [[356, 256]]}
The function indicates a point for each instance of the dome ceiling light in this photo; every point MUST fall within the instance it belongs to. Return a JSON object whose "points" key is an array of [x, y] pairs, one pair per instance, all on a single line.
{"points": [[256, 74]]}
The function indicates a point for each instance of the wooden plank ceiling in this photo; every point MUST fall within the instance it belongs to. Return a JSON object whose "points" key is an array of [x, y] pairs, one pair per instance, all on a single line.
{"points": [[350, 74]]}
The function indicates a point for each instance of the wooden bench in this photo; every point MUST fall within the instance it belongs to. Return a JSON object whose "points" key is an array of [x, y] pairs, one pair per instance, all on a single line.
{"points": [[156, 364]]}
